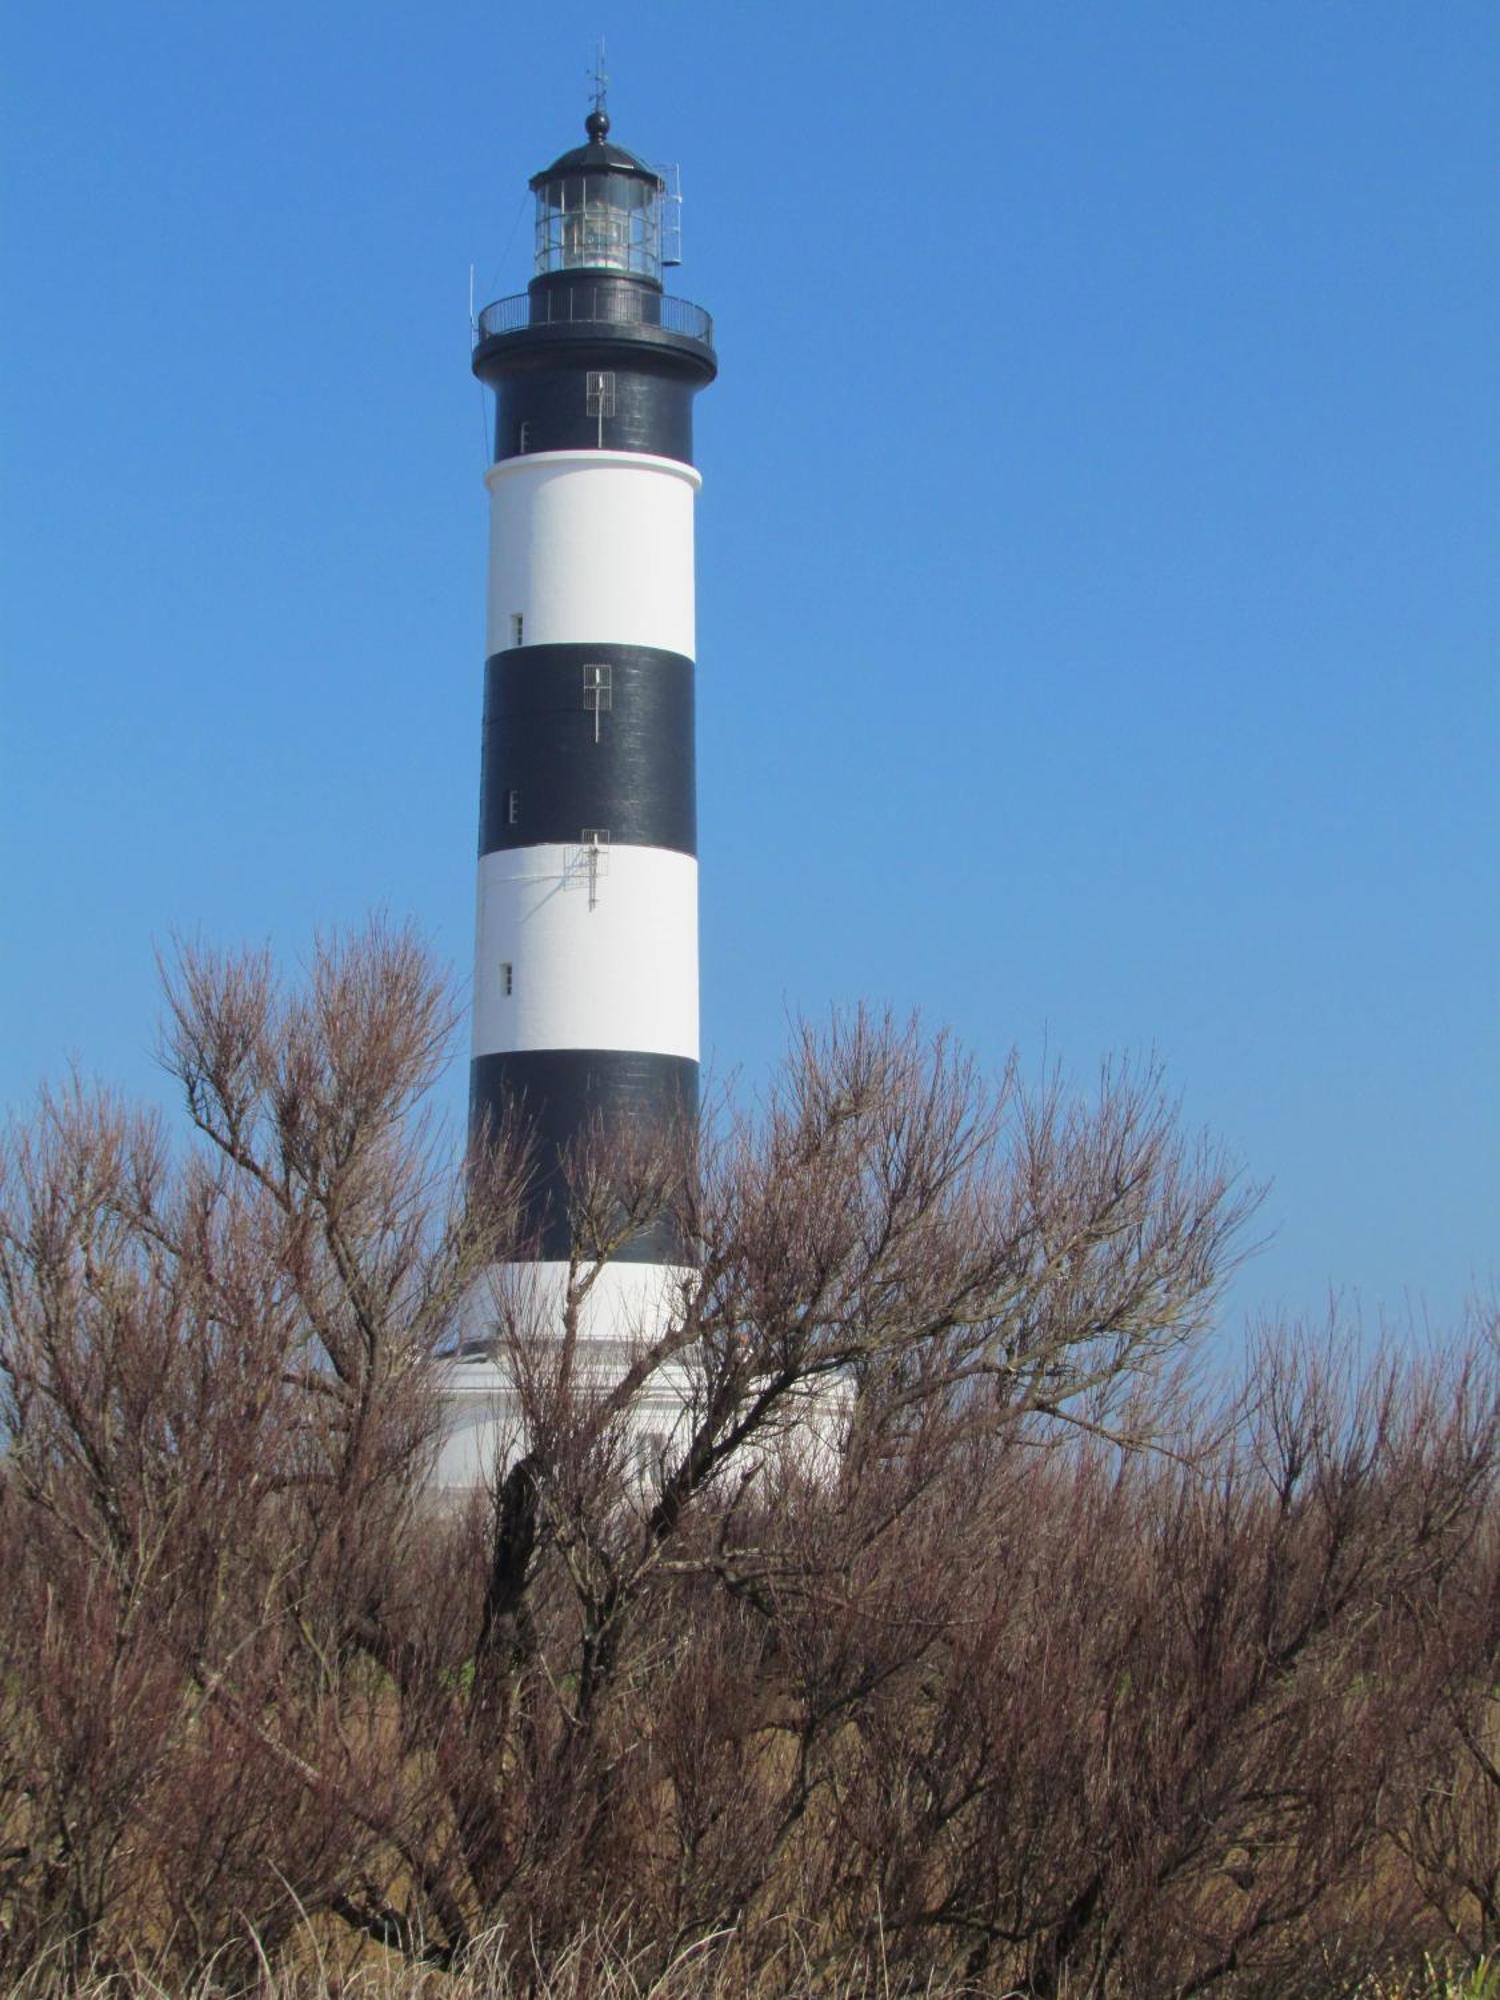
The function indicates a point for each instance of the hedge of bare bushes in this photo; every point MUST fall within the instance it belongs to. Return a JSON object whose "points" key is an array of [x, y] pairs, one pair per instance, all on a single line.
{"points": [[1069, 1679]]}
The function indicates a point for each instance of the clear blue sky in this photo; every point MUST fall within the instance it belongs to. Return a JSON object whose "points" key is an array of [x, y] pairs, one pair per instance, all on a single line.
{"points": [[1097, 554]]}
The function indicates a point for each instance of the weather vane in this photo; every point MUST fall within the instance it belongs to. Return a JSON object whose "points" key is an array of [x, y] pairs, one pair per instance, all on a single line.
{"points": [[599, 77]]}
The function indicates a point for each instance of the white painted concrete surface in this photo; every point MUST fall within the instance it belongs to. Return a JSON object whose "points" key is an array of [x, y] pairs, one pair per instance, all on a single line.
{"points": [[620, 975], [589, 547]]}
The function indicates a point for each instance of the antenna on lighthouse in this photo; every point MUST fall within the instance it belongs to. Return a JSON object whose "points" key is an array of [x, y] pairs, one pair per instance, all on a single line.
{"points": [[599, 77]]}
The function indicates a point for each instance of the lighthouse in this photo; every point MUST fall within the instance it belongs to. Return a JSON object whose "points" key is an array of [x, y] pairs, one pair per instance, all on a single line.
{"points": [[585, 991]]}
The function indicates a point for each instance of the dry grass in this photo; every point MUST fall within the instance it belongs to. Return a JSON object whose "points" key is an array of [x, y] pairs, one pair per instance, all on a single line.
{"points": [[1435, 1982], [598, 1967], [595, 1966]]}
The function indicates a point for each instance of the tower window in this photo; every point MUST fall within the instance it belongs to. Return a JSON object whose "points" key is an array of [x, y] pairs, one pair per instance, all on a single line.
{"points": [[598, 690], [512, 807], [599, 396], [517, 629], [507, 978], [523, 437]]}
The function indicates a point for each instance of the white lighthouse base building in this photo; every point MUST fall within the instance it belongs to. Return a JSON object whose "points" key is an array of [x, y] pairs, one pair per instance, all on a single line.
{"points": [[484, 1423], [484, 1427]]}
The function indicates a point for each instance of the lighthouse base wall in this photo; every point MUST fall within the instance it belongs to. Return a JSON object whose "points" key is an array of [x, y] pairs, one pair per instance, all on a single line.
{"points": [[483, 1416], [628, 1307]]}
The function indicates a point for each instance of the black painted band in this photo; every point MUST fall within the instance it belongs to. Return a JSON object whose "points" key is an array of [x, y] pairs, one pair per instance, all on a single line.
{"points": [[554, 763], [624, 1102], [547, 407]]}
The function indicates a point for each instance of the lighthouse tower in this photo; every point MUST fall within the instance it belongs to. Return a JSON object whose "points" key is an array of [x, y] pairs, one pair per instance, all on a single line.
{"points": [[586, 964]]}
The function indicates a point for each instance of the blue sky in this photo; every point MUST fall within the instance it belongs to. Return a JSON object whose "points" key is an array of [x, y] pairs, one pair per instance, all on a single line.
{"points": [[1097, 552]]}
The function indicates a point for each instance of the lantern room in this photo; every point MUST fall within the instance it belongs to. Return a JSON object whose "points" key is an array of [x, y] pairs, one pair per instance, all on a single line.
{"points": [[599, 208]]}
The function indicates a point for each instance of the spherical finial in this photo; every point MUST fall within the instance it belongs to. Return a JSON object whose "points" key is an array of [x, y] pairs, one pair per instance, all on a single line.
{"points": [[597, 125]]}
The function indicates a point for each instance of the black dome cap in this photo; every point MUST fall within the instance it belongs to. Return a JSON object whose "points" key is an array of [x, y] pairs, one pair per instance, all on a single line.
{"points": [[598, 157]]}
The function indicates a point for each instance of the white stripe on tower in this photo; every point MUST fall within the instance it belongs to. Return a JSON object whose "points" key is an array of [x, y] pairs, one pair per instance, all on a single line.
{"points": [[591, 545], [622, 975]]}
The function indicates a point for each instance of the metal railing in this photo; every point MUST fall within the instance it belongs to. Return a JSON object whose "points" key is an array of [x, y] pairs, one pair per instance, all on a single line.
{"points": [[595, 305]]}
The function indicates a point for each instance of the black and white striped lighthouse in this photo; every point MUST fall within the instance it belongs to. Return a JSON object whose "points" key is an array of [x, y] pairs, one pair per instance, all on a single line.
{"points": [[586, 962]]}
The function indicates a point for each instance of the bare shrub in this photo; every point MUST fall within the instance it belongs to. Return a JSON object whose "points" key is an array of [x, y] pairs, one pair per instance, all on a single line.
{"points": [[1444, 1814], [215, 1395], [1042, 1674], [1089, 1721]]}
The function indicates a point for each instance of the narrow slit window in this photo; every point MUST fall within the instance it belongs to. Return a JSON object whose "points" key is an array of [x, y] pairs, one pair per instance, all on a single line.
{"points": [[507, 977], [599, 396], [598, 690], [523, 437], [512, 808], [517, 629]]}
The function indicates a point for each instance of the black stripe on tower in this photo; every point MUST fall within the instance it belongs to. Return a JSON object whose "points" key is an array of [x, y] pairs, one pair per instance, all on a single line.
{"points": [[623, 1099], [547, 406], [588, 735]]}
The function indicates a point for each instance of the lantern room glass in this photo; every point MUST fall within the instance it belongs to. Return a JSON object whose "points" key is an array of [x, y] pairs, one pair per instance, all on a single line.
{"points": [[599, 222]]}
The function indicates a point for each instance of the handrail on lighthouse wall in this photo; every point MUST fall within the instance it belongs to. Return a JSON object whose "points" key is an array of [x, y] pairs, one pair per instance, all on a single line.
{"points": [[595, 305]]}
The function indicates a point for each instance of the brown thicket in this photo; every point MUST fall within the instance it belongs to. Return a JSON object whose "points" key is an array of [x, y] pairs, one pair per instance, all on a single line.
{"points": [[1045, 1674]]}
